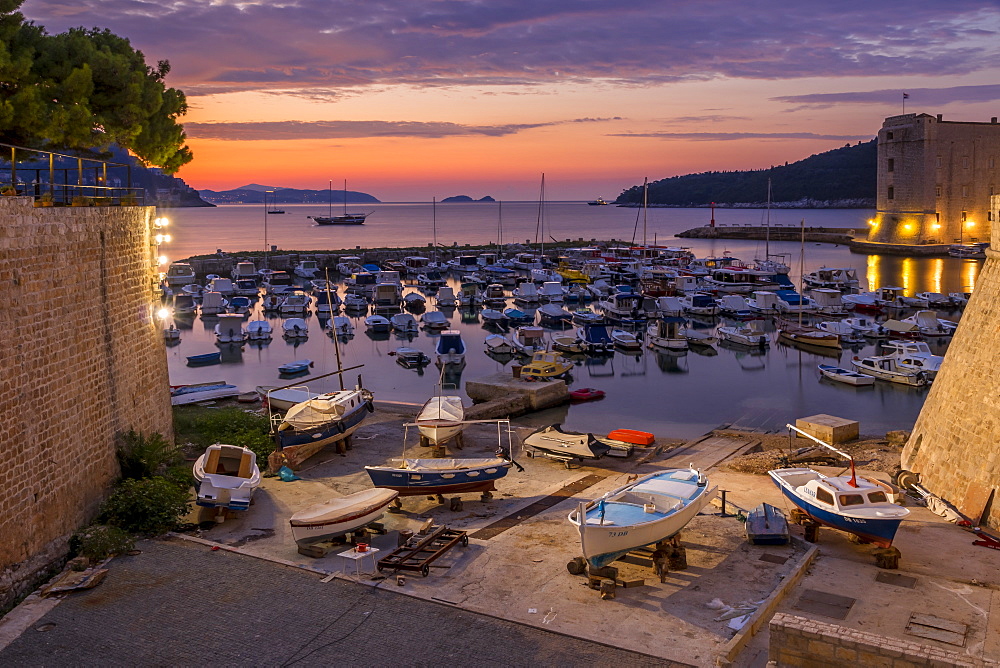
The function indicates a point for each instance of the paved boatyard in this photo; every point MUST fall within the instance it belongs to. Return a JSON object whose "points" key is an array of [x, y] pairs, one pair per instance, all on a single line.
{"points": [[513, 573]]}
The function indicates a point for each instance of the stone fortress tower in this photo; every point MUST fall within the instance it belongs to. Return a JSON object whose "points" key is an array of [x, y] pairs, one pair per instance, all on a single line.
{"points": [[955, 444], [935, 180]]}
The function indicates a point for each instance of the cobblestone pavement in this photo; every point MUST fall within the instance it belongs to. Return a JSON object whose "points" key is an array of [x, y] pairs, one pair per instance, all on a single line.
{"points": [[183, 604]]}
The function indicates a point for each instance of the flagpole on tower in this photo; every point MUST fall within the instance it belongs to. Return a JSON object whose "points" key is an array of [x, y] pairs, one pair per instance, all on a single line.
{"points": [[905, 97]]}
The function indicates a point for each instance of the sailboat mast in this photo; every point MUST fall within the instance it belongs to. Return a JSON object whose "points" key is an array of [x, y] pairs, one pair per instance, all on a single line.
{"points": [[541, 220], [645, 208], [266, 264], [336, 342], [802, 264], [434, 228], [767, 226], [499, 224], [345, 197], [329, 198]]}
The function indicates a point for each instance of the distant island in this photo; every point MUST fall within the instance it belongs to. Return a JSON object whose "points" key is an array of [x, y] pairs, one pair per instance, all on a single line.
{"points": [[466, 198], [842, 178], [254, 193]]}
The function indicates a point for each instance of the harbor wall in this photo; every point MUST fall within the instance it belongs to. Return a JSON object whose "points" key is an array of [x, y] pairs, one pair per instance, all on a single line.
{"points": [[82, 359], [955, 443]]}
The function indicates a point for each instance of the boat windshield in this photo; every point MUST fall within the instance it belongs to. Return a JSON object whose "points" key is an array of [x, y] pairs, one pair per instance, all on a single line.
{"points": [[878, 497], [851, 500]]}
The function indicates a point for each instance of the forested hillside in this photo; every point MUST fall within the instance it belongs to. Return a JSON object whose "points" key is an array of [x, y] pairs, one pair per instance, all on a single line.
{"points": [[841, 177]]}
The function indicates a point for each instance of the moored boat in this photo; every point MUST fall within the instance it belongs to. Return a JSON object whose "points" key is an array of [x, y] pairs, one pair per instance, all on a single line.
{"points": [[845, 375]]}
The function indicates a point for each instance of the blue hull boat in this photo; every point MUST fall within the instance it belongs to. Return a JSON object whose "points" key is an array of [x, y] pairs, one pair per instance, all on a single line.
{"points": [[440, 476], [298, 366], [204, 358], [310, 425]]}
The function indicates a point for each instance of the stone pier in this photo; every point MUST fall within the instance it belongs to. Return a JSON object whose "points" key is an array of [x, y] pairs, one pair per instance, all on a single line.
{"points": [[501, 395]]}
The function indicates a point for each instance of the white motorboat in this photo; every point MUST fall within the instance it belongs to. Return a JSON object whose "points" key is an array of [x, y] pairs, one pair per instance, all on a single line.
{"points": [[180, 273], [888, 368], [746, 335], [244, 270], [377, 324], [495, 296], [862, 301], [842, 279], [404, 323], [294, 328], [337, 517], [230, 328], [322, 285], [213, 303], [551, 292], [440, 419], [493, 317], [699, 303], [568, 446], [845, 375], [196, 392], [529, 339], [735, 306], [414, 300], [434, 320], [867, 327], [627, 340], [843, 330], [647, 511], [828, 301], [259, 330], [914, 356], [697, 337], [470, 295], [411, 358], [446, 297], [764, 302], [306, 269], [450, 348], [526, 293], [355, 302], [225, 476], [296, 303], [959, 299], [624, 307], [431, 279], [789, 301], [223, 286], [935, 299], [930, 325], [327, 302]]}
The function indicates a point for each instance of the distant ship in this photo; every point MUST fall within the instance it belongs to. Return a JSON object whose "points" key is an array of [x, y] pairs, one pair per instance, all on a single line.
{"points": [[274, 211], [598, 202]]}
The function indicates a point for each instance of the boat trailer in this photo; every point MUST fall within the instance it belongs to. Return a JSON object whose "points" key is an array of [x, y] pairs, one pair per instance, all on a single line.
{"points": [[419, 557]]}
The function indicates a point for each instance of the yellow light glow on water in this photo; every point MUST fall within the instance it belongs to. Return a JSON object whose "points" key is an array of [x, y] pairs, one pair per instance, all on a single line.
{"points": [[872, 272], [908, 272], [908, 228], [936, 273], [971, 274], [163, 313]]}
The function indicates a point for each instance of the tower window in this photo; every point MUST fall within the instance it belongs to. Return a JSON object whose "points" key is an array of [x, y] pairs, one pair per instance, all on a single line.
{"points": [[937, 191], [965, 191], [888, 135], [965, 162], [891, 164], [939, 161], [965, 216], [891, 194]]}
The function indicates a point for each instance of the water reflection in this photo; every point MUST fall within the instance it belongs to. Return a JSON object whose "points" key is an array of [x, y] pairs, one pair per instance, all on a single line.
{"points": [[922, 274]]}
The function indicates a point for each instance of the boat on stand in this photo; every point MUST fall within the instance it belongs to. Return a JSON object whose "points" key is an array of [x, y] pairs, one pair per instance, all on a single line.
{"points": [[847, 503], [649, 510]]}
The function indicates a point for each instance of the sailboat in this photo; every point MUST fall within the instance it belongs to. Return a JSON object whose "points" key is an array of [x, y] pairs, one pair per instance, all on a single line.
{"points": [[343, 219], [791, 332], [769, 264]]}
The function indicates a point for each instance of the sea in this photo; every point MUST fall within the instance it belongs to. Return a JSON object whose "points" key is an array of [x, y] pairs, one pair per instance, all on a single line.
{"points": [[669, 394]]}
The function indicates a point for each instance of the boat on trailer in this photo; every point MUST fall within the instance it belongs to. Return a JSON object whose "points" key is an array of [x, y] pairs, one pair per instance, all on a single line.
{"points": [[568, 446], [649, 510]]}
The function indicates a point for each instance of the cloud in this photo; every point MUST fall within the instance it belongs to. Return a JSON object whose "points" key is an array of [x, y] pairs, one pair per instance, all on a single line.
{"points": [[733, 136], [893, 96], [293, 130], [338, 44]]}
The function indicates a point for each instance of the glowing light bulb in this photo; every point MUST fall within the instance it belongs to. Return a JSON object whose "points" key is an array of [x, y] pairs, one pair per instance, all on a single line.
{"points": [[162, 259], [163, 313]]}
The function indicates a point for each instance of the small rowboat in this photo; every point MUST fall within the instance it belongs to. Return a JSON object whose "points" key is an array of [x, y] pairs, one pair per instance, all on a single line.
{"points": [[632, 436], [338, 516], [845, 376], [298, 366], [586, 394], [204, 358]]}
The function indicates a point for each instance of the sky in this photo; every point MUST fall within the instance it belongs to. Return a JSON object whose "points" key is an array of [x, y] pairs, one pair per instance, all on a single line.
{"points": [[409, 100]]}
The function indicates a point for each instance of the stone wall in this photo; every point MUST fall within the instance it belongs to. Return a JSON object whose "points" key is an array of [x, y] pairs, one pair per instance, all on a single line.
{"points": [[955, 444], [82, 359], [807, 643]]}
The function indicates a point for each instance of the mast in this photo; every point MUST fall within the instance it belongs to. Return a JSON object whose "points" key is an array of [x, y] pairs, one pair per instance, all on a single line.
{"points": [[767, 225], [499, 225], [540, 227], [345, 196], [266, 263], [330, 200], [645, 208], [802, 264], [336, 342], [434, 228]]}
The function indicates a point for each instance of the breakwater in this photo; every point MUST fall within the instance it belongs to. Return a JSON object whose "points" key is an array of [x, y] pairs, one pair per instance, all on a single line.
{"points": [[830, 235]]}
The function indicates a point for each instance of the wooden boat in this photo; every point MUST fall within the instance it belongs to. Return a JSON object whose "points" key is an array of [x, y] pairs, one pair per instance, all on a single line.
{"points": [[440, 419], [557, 443], [847, 503], [499, 345], [440, 476], [195, 392], [845, 375], [298, 366], [545, 364], [225, 476], [626, 340], [791, 332], [339, 516], [632, 436], [569, 345], [647, 511], [411, 358], [283, 399], [309, 426], [204, 358], [586, 394], [766, 525], [529, 339]]}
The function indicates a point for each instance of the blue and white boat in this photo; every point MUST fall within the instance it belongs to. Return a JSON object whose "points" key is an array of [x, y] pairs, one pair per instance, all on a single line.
{"points": [[597, 338], [649, 510], [440, 476], [517, 316], [450, 348], [298, 366], [204, 358], [855, 505]]}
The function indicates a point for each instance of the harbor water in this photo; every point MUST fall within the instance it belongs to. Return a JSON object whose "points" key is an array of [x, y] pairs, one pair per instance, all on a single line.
{"points": [[671, 394]]}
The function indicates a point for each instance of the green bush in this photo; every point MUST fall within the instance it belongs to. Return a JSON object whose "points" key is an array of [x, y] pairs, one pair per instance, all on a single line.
{"points": [[141, 456], [234, 426], [98, 542], [150, 506]]}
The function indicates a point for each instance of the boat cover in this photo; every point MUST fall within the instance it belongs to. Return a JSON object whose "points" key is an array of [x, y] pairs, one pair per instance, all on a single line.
{"points": [[320, 411], [452, 464], [359, 503], [447, 409]]}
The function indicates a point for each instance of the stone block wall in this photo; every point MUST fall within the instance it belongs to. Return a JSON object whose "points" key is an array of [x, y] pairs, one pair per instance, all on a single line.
{"points": [[955, 443], [81, 359], [807, 643]]}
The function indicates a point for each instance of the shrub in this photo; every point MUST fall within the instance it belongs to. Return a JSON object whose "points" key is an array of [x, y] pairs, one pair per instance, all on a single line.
{"points": [[98, 542], [141, 456], [228, 425], [150, 506]]}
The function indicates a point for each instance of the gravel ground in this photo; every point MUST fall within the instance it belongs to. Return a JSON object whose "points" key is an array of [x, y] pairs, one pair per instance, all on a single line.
{"points": [[873, 453]]}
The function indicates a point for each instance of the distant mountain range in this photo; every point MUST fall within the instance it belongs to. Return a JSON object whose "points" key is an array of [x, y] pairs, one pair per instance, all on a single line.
{"points": [[254, 193], [466, 198], [842, 178]]}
